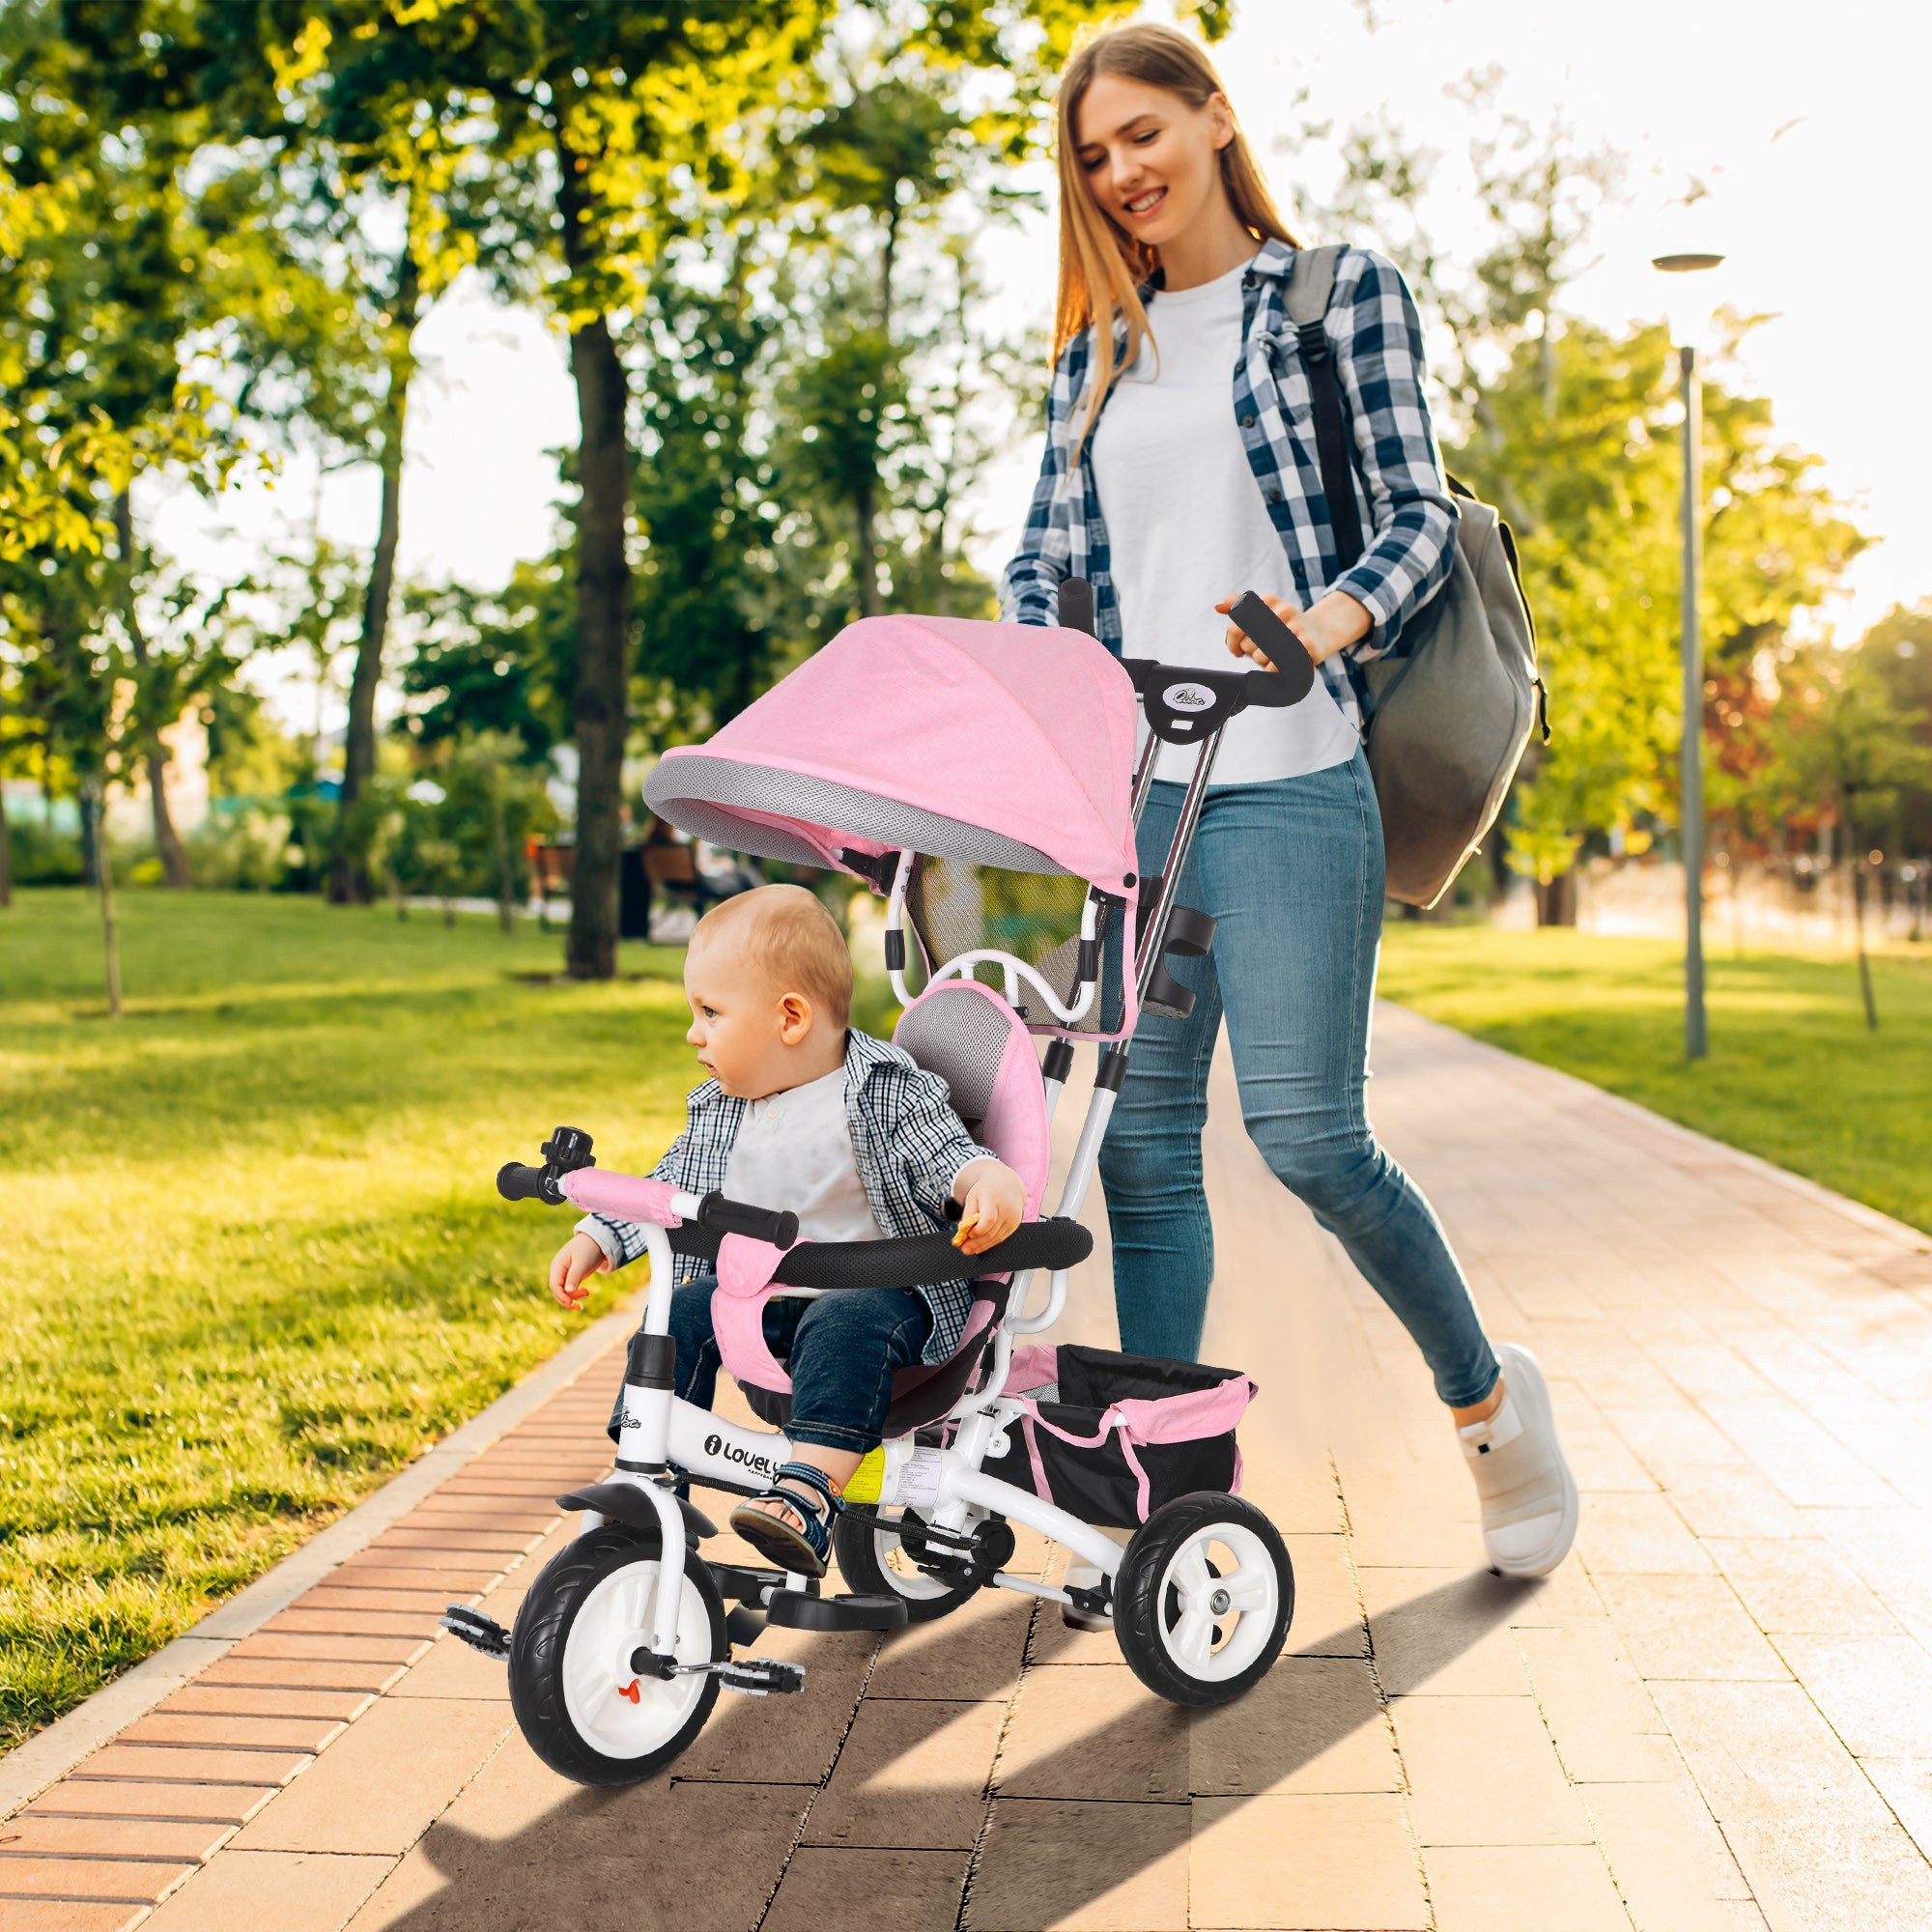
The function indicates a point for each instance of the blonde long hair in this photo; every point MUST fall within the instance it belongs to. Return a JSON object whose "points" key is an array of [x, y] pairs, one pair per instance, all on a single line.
{"points": [[1101, 266]]}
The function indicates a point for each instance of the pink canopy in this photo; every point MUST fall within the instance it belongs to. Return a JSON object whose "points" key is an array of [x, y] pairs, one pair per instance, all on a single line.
{"points": [[1007, 745]]}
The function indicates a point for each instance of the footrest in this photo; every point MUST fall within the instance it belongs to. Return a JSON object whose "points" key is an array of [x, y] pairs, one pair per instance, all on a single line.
{"points": [[746, 1582], [797, 1610], [761, 1676], [479, 1632]]}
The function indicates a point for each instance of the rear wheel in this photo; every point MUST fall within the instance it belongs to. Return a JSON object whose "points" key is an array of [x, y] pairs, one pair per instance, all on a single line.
{"points": [[1204, 1597], [875, 1563], [581, 1706]]}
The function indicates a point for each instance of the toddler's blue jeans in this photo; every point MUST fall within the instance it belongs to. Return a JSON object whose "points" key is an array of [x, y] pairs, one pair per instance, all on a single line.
{"points": [[843, 1348], [1292, 870]]}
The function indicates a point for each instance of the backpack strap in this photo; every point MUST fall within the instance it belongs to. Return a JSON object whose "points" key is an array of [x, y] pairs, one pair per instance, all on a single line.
{"points": [[1310, 283]]}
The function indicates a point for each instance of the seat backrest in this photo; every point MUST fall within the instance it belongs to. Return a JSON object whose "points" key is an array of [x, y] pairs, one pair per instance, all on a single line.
{"points": [[974, 1040]]}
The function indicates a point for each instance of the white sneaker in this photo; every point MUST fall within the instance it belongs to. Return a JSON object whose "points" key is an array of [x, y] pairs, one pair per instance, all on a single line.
{"points": [[1082, 1576], [1527, 1493]]}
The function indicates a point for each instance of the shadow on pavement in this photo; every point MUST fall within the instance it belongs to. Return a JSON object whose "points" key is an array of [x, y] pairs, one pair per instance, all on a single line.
{"points": [[642, 1861]]}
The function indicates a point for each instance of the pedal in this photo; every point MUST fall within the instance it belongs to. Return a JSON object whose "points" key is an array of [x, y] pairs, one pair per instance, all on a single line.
{"points": [[479, 1632], [762, 1676], [800, 1609]]}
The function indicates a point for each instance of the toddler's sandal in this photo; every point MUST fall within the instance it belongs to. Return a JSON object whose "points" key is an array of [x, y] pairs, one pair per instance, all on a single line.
{"points": [[800, 1540]]}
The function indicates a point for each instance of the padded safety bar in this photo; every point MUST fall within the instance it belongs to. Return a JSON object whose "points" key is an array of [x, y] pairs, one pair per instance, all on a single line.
{"points": [[1050, 1244]]}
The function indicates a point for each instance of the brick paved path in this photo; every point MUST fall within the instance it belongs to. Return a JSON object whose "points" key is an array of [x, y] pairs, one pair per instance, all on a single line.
{"points": [[1713, 1718]]}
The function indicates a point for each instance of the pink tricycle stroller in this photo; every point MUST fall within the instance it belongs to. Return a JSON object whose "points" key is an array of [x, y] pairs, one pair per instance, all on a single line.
{"points": [[982, 778]]}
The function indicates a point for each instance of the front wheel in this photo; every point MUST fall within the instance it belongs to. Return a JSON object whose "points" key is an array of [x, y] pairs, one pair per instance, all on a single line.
{"points": [[875, 1563], [1203, 1598], [583, 1709]]}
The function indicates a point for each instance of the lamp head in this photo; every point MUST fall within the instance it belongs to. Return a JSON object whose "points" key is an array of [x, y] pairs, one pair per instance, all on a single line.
{"points": [[1687, 306]]}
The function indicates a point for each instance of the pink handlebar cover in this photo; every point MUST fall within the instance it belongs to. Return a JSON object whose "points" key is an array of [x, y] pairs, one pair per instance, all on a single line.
{"points": [[630, 1196]]}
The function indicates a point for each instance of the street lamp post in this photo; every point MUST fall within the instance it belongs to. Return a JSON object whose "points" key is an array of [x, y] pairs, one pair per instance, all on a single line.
{"points": [[1685, 333]]}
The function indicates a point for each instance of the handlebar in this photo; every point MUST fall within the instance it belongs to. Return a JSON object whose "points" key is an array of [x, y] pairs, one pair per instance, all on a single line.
{"points": [[515, 1182], [720, 1216]]}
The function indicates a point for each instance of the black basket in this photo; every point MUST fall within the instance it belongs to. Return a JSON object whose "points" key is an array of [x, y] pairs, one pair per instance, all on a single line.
{"points": [[1098, 1484]]}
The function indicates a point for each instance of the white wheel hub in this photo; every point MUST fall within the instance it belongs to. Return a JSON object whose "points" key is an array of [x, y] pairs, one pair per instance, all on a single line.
{"points": [[1216, 1616], [615, 1708]]}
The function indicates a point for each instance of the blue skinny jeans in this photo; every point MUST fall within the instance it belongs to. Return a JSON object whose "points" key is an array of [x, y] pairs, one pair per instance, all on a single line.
{"points": [[843, 1347], [1292, 870]]}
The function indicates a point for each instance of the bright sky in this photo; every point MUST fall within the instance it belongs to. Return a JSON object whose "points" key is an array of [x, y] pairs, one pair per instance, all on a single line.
{"points": [[1824, 227]]}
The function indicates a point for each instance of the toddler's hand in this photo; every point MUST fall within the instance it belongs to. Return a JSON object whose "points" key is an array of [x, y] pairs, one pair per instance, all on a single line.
{"points": [[579, 1257], [994, 1202]]}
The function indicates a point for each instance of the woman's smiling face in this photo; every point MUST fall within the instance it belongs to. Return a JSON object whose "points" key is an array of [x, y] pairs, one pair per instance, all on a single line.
{"points": [[1151, 160]]}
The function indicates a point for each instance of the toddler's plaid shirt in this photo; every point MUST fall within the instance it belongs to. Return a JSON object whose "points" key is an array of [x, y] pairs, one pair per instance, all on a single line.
{"points": [[1402, 500], [908, 1142]]}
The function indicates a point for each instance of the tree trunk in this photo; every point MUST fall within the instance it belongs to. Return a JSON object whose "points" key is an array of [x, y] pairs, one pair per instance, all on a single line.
{"points": [[1556, 899], [603, 615], [6, 852], [109, 936], [1858, 927], [869, 603], [507, 874], [90, 840], [154, 754], [349, 870]]}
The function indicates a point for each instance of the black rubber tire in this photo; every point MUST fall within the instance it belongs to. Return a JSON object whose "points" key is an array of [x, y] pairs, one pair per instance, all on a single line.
{"points": [[542, 1632], [1138, 1616], [856, 1546]]}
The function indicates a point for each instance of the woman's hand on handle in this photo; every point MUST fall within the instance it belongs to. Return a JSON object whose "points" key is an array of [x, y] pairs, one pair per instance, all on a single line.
{"points": [[1331, 624]]}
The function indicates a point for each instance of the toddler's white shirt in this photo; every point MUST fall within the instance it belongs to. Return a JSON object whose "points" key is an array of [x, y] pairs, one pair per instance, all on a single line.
{"points": [[794, 1150]]}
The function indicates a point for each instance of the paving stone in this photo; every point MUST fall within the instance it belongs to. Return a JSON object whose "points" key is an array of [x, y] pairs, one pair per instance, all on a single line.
{"points": [[791, 1740], [1311, 1726], [1447, 1631], [1792, 1587], [413, 1628], [59, 1915], [561, 1856], [326, 1647], [452, 1669], [908, 1891], [255, 1733], [1049, 1865], [1671, 1865], [1596, 1708], [327, 1677], [1093, 1734], [202, 1699], [97, 1798], [275, 1891], [1845, 1880], [165, 1764], [1875, 1691], [976, 1652], [137, 1881], [910, 1774], [1520, 1796], [470, 1580], [1638, 1535], [1688, 1626], [1282, 1863], [48, 1835], [1522, 1889], [1906, 1785], [380, 1785]]}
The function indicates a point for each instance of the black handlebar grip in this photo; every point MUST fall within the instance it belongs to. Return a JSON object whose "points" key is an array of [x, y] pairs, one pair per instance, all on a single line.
{"points": [[1076, 605], [517, 1182], [1294, 668], [734, 1217]]}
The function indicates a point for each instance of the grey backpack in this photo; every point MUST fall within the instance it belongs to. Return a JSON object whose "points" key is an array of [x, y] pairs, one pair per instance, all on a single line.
{"points": [[1446, 724]]}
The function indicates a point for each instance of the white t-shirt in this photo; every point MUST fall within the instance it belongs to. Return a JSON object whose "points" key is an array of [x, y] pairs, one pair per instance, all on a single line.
{"points": [[794, 1150], [1186, 527]]}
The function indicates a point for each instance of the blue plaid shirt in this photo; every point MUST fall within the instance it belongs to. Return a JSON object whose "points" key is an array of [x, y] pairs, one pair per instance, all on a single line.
{"points": [[910, 1147], [1400, 495]]}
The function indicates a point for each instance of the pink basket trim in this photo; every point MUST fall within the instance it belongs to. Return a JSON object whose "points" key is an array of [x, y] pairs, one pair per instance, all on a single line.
{"points": [[629, 1197]]}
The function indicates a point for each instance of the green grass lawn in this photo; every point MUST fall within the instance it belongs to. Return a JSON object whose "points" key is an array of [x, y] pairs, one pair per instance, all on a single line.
{"points": [[253, 1258], [1792, 1074]]}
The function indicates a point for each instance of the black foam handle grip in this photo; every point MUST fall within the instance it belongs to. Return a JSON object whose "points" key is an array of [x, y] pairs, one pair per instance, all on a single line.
{"points": [[516, 1182], [1282, 648], [735, 1217], [1076, 605]]}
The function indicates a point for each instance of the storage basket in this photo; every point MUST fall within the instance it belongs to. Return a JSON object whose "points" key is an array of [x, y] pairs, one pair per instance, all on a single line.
{"points": [[1111, 1437]]}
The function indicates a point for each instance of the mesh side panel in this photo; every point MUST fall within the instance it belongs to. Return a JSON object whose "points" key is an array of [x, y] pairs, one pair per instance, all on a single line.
{"points": [[958, 908], [678, 785], [962, 1039]]}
